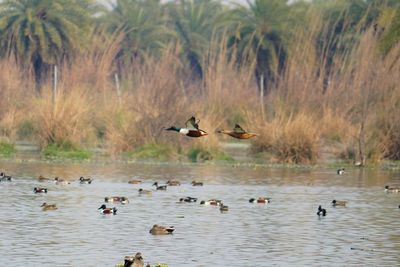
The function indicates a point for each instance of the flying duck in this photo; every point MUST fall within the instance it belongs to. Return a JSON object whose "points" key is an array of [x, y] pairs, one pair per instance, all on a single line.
{"points": [[238, 133], [191, 130]]}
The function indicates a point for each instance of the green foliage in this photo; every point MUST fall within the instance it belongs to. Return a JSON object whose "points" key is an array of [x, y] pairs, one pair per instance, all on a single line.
{"points": [[26, 129], [201, 154], [152, 151], [66, 150], [391, 37], [143, 25], [194, 22], [6, 149], [42, 32]]}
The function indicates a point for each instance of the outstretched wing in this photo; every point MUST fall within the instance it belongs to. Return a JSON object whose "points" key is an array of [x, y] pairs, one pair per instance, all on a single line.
{"points": [[192, 124], [238, 129]]}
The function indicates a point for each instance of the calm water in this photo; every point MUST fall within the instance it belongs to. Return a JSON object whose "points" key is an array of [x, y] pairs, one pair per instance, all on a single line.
{"points": [[286, 232]]}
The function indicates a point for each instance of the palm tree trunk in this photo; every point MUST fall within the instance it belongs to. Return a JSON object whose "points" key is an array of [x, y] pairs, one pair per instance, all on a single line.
{"points": [[37, 63]]}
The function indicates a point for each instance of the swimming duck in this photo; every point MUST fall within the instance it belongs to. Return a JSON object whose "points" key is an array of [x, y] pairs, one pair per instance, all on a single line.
{"points": [[339, 203], [212, 202], [134, 261], [260, 200], [160, 187], [46, 206], [144, 192], [188, 199], [389, 189], [321, 211], [161, 230], [195, 183], [134, 182], [85, 180], [42, 178], [39, 190], [122, 200], [191, 130], [223, 208], [173, 183], [104, 210], [340, 171], [4, 177], [238, 133], [60, 181]]}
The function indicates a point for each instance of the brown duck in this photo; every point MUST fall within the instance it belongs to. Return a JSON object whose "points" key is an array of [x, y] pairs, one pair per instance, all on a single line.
{"points": [[161, 230], [238, 133]]}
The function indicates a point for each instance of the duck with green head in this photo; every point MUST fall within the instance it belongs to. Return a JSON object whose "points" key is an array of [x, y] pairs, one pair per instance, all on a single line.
{"points": [[191, 129]]}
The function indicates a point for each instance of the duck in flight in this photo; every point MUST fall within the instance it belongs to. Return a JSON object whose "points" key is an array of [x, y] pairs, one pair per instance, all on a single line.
{"points": [[191, 129], [238, 133]]}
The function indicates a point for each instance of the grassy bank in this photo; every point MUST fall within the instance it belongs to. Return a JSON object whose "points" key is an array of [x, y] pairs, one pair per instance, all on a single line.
{"points": [[355, 111]]}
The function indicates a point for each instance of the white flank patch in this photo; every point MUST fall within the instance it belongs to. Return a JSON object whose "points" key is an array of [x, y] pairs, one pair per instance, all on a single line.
{"points": [[184, 131]]}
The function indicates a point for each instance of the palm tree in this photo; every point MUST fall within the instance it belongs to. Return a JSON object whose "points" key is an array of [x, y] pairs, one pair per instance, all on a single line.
{"points": [[194, 22], [259, 32], [143, 25], [39, 33]]}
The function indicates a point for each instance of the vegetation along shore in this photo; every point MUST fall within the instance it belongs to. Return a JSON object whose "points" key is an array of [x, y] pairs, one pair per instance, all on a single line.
{"points": [[308, 79]]}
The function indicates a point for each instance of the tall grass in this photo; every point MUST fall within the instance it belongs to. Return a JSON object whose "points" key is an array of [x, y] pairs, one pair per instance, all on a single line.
{"points": [[354, 109]]}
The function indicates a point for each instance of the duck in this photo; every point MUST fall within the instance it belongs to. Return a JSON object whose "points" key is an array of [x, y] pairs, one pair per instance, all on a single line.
{"points": [[4, 177], [39, 190], [161, 230], [223, 208], [122, 200], [160, 187], [340, 171], [191, 130], [195, 183], [104, 210], [46, 206], [389, 189], [212, 202], [339, 203], [134, 182], [60, 181], [144, 192], [187, 199], [42, 178], [85, 180], [173, 183], [260, 200], [238, 133], [321, 211], [134, 261]]}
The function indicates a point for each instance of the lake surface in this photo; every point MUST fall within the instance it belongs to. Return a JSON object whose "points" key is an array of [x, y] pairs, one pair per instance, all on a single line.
{"points": [[285, 232]]}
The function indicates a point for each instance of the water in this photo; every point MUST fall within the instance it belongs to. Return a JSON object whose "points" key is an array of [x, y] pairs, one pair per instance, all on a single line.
{"points": [[286, 232]]}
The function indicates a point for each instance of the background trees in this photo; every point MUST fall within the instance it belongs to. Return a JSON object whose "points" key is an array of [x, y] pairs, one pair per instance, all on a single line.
{"points": [[43, 32]]}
